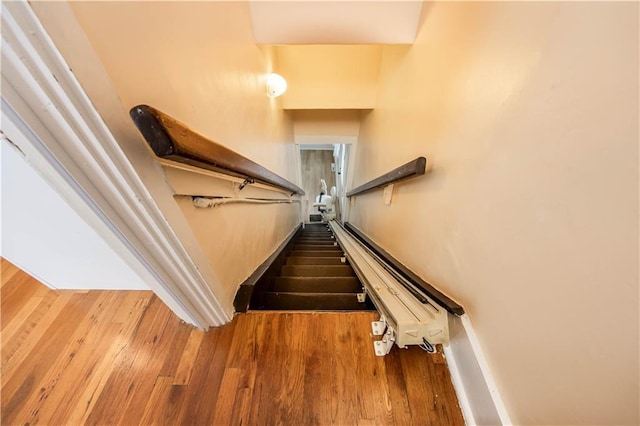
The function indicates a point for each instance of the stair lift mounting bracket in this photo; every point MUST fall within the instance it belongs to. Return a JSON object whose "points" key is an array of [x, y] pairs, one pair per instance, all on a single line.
{"points": [[383, 347], [379, 327]]}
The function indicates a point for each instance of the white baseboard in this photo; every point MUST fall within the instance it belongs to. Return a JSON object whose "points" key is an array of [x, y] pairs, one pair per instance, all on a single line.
{"points": [[477, 392]]}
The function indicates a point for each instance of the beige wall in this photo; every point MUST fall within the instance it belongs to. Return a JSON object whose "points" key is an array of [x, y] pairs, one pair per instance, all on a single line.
{"points": [[336, 122], [528, 116], [237, 238], [329, 76], [197, 62]]}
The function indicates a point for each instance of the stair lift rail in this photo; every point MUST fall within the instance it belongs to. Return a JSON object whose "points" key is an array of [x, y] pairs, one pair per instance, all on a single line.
{"points": [[413, 281], [404, 318]]}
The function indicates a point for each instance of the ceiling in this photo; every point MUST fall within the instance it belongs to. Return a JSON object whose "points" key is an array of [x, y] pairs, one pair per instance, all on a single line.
{"points": [[335, 22], [198, 60], [329, 76]]}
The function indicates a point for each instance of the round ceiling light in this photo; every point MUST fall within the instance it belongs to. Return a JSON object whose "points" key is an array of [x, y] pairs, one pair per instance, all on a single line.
{"points": [[276, 85]]}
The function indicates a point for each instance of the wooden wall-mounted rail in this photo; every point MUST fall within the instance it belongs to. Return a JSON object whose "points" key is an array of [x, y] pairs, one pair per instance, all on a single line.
{"points": [[411, 169], [171, 139]]}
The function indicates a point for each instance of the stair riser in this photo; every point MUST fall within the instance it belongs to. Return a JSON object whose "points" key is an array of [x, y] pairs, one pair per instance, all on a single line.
{"points": [[309, 253], [314, 261], [314, 247], [315, 242], [318, 285], [313, 302], [317, 271]]}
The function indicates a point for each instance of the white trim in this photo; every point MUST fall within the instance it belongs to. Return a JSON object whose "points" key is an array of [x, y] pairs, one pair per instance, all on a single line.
{"points": [[70, 145], [477, 392], [458, 385], [317, 147], [304, 199], [325, 140]]}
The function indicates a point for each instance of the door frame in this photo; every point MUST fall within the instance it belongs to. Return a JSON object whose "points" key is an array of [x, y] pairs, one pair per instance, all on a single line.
{"points": [[48, 115], [350, 141]]}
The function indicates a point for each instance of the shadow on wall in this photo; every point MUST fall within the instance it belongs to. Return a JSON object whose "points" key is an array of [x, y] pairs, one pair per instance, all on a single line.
{"points": [[420, 114]]}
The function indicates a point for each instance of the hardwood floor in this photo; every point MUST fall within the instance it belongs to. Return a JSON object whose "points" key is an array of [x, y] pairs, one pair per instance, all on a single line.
{"points": [[102, 357]]}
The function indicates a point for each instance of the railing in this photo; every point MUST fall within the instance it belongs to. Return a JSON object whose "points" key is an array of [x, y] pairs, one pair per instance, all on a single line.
{"points": [[411, 169], [171, 139], [409, 275]]}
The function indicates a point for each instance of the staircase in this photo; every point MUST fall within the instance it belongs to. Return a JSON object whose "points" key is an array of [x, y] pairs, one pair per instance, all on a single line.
{"points": [[314, 276]]}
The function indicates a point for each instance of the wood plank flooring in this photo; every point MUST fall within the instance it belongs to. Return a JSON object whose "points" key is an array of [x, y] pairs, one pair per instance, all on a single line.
{"points": [[102, 357]]}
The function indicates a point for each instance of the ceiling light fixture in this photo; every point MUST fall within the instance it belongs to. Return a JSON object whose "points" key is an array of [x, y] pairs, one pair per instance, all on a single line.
{"points": [[276, 85]]}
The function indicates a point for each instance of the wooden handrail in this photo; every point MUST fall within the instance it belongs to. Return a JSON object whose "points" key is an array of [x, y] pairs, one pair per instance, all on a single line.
{"points": [[411, 169], [171, 139], [407, 273]]}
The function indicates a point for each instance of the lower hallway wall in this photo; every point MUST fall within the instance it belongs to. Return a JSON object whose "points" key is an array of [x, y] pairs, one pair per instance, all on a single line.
{"points": [[528, 214], [45, 237]]}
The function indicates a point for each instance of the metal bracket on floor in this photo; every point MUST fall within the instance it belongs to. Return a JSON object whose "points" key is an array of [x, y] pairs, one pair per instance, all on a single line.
{"points": [[378, 327], [383, 347]]}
